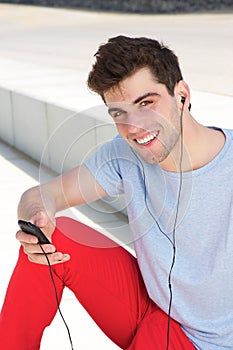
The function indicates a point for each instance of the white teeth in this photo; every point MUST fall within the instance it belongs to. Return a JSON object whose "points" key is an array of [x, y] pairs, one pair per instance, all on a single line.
{"points": [[147, 139]]}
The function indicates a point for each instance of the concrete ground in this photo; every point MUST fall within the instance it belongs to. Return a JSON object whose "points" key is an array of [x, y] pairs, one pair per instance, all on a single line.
{"points": [[47, 53]]}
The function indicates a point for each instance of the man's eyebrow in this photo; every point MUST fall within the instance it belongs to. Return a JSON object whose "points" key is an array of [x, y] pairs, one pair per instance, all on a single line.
{"points": [[140, 98]]}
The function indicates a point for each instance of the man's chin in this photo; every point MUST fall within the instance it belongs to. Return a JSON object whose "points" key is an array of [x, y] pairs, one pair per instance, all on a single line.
{"points": [[146, 156], [150, 159]]}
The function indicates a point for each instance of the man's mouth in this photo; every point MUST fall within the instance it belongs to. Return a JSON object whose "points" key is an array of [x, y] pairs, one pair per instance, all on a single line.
{"points": [[147, 139]]}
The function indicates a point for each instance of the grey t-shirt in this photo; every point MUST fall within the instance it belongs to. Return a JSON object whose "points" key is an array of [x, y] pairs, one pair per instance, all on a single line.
{"points": [[202, 277]]}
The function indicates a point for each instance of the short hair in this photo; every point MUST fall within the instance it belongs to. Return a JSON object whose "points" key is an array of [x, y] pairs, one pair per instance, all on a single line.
{"points": [[122, 56]]}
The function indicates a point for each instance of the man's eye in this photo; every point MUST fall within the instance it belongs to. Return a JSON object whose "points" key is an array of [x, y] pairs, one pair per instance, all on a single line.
{"points": [[145, 103], [117, 114]]}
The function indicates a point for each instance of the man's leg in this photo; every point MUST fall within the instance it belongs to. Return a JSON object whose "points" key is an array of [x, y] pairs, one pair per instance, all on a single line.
{"points": [[152, 334], [29, 305], [104, 277], [106, 280]]}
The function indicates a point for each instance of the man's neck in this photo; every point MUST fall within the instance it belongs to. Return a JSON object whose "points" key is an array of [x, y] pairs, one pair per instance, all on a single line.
{"points": [[199, 146]]}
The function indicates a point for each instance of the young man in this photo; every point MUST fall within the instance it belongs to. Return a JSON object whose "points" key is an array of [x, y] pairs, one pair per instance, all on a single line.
{"points": [[173, 171]]}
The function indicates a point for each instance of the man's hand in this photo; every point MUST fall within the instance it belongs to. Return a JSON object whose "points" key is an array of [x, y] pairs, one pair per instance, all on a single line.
{"points": [[33, 249]]}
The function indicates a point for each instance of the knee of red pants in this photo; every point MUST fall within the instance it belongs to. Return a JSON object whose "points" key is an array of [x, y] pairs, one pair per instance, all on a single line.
{"points": [[152, 334]]}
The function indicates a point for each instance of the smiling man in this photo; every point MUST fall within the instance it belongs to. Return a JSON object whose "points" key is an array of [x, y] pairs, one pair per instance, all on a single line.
{"points": [[141, 118], [173, 172]]}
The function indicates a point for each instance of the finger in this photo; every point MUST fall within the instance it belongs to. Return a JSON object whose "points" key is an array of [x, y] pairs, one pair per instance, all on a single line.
{"points": [[55, 258], [44, 222], [36, 248], [42, 219], [26, 238]]}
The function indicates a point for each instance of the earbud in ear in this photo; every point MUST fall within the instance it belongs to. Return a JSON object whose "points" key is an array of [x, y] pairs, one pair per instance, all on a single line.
{"points": [[182, 99]]}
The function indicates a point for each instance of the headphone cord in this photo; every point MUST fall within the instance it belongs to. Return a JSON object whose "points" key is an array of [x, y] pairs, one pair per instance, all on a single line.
{"points": [[56, 296], [174, 227], [173, 240]]}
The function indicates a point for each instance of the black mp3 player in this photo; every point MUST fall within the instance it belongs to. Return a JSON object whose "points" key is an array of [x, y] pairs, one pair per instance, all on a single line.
{"points": [[31, 229]]}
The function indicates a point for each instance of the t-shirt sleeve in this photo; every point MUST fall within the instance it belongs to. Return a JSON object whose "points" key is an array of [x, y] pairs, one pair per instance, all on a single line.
{"points": [[104, 166]]}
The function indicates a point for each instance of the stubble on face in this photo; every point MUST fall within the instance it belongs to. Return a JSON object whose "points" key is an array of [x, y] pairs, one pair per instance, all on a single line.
{"points": [[165, 150]]}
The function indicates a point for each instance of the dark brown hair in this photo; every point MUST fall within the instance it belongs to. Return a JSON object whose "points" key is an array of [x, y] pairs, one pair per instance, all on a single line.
{"points": [[122, 56]]}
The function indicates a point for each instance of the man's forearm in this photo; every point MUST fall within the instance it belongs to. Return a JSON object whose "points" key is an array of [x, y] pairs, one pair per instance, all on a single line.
{"points": [[73, 188]]}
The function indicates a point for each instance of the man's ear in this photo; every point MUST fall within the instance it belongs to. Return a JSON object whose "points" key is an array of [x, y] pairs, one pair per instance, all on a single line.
{"points": [[182, 94]]}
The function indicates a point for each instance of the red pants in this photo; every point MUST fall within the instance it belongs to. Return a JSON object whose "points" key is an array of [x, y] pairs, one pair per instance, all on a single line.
{"points": [[105, 279]]}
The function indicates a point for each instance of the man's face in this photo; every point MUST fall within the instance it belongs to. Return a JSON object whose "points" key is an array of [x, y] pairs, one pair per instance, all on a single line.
{"points": [[146, 116]]}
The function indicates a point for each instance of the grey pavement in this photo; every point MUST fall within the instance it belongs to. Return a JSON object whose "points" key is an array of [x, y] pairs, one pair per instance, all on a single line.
{"points": [[46, 53]]}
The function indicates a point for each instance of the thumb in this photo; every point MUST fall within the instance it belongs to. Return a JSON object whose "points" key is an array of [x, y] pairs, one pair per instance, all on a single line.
{"points": [[40, 219]]}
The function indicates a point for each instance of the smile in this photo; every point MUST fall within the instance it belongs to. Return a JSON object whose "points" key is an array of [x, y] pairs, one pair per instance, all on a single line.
{"points": [[147, 139]]}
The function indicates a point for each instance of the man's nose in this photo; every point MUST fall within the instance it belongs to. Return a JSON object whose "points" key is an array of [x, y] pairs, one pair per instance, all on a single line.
{"points": [[134, 122]]}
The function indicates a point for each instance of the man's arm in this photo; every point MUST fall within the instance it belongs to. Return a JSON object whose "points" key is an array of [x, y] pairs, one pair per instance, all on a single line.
{"points": [[40, 204]]}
